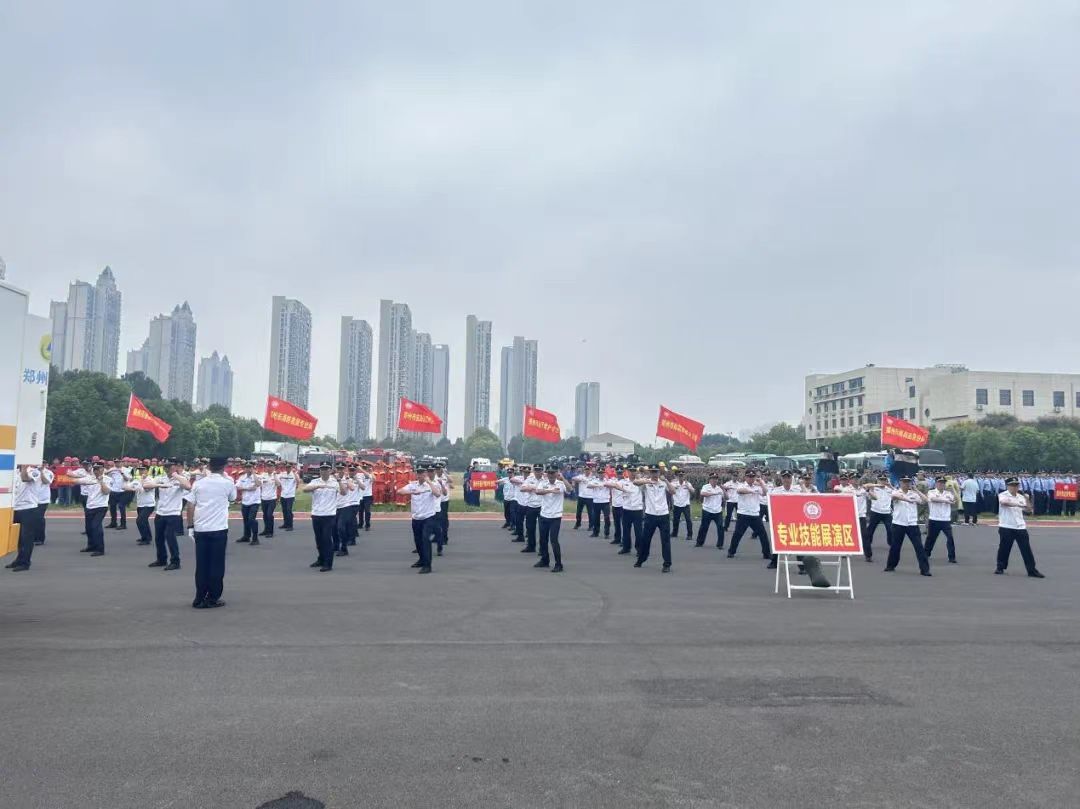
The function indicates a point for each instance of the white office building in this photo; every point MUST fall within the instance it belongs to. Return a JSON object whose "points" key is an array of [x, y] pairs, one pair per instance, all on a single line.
{"points": [[86, 327], [586, 409], [854, 401], [290, 351], [354, 380], [477, 374], [215, 382], [518, 386]]}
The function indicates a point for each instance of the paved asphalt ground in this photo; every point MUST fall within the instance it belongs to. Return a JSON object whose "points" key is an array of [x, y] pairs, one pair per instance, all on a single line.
{"points": [[490, 684]]}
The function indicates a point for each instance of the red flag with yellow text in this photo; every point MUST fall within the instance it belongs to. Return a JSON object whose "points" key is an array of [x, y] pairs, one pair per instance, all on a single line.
{"points": [[140, 418], [285, 418], [414, 417], [541, 425], [903, 434], [679, 428]]}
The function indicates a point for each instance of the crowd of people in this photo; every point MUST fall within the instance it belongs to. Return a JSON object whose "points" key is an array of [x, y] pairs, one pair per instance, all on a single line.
{"points": [[629, 504]]}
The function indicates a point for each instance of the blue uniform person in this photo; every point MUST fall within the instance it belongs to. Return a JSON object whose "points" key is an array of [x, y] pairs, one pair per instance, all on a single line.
{"points": [[211, 496]]}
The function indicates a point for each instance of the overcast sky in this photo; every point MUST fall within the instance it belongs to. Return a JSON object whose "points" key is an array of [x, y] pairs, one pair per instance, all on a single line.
{"points": [[689, 203]]}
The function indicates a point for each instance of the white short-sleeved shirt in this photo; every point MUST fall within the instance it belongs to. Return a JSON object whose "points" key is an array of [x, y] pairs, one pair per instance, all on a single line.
{"points": [[941, 504], [26, 492], [905, 511], [633, 500], [324, 497], [599, 492], [881, 502], [268, 484], [1011, 511], [249, 488], [211, 495], [655, 497], [712, 498], [749, 500], [144, 498], [552, 496], [423, 502], [681, 495]]}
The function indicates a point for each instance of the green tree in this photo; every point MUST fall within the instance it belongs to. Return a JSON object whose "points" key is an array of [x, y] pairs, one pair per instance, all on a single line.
{"points": [[142, 386], [207, 437], [985, 449], [1024, 449], [953, 441], [1062, 451], [483, 444]]}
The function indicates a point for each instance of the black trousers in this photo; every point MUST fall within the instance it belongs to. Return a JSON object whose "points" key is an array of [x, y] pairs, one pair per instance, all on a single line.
{"points": [[519, 520], [899, 533], [729, 510], [873, 521], [424, 531], [268, 509], [142, 522], [508, 513], [532, 514], [286, 512], [29, 522], [1006, 538], [598, 509], [632, 524], [117, 509], [250, 517], [42, 508], [549, 535], [344, 522], [678, 514], [935, 527], [444, 522], [653, 523], [617, 522], [862, 531], [166, 530], [744, 521], [707, 518], [365, 511], [95, 528], [210, 564], [583, 504], [324, 538], [971, 513]]}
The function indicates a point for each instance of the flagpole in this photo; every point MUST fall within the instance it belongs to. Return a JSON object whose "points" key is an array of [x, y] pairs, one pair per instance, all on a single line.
{"points": [[123, 444]]}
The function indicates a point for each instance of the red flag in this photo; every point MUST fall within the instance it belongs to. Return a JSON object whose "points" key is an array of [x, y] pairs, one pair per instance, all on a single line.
{"points": [[678, 428], [139, 418], [413, 417], [541, 425], [899, 433], [285, 418]]}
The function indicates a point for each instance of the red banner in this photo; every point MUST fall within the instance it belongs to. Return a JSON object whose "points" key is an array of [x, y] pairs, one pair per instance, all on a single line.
{"points": [[541, 425], [903, 434], [482, 481], [1065, 491], [285, 418], [814, 524], [679, 429], [413, 417], [139, 418]]}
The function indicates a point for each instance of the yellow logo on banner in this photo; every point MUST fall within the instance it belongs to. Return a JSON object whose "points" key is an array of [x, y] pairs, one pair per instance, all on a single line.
{"points": [[45, 347]]}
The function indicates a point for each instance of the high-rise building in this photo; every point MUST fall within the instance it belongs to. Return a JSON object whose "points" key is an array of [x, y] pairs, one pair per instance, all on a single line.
{"points": [[137, 358], [3, 270], [215, 382], [290, 351], [396, 354], [477, 374], [168, 355], [86, 329], [354, 381], [518, 377], [420, 373], [440, 382], [587, 409]]}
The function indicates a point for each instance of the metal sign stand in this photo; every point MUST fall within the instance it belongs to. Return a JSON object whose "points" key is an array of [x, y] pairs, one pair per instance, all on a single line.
{"points": [[786, 561]]}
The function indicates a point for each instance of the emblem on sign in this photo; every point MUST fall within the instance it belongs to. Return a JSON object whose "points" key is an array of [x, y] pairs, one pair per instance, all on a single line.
{"points": [[812, 510]]}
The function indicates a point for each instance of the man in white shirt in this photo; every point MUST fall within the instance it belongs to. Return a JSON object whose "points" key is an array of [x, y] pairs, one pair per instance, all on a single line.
{"points": [[581, 479], [680, 505], [1013, 528], [268, 493], [288, 480], [367, 495], [443, 480], [325, 490], [601, 503], [551, 489], [731, 498], [43, 491], [144, 503], [168, 522], [880, 494], [969, 496], [712, 511], [97, 503], [117, 477], [849, 484], [905, 525], [211, 495], [654, 492], [510, 503], [748, 515], [939, 520], [617, 500], [26, 515], [424, 494], [633, 508], [249, 489]]}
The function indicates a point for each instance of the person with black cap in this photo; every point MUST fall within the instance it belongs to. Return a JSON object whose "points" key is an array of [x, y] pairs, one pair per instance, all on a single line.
{"points": [[1012, 528], [250, 500], [443, 480], [117, 476], [748, 515], [712, 510], [581, 479], [880, 513], [905, 524], [424, 494], [289, 480], [26, 515], [530, 504], [681, 492], [168, 521], [551, 490], [617, 500], [366, 479], [339, 529], [939, 519], [848, 486], [655, 491], [633, 510], [731, 497], [325, 490], [144, 502], [212, 493], [509, 489], [601, 503], [268, 494]]}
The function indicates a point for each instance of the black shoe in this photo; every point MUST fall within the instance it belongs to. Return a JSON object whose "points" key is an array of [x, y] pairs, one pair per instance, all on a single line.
{"points": [[198, 604], [351, 542], [439, 552], [342, 552], [39, 541], [889, 569], [289, 528], [557, 569], [416, 564], [10, 565], [720, 546], [638, 563], [367, 527], [123, 528], [87, 549], [665, 569], [576, 527], [623, 552], [208, 604], [527, 549], [771, 566], [699, 544], [542, 563], [254, 542], [111, 525], [156, 564], [517, 539], [869, 559], [999, 572], [316, 563], [731, 556], [1034, 574], [19, 568], [615, 542], [243, 539], [952, 561], [925, 573], [263, 534], [595, 535], [172, 566], [97, 553], [424, 570], [325, 569]]}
